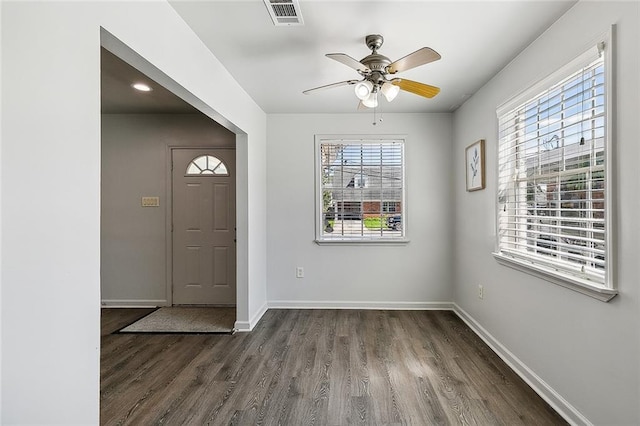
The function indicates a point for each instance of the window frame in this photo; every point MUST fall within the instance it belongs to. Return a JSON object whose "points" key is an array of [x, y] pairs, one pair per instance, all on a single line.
{"points": [[545, 268], [321, 239], [194, 163]]}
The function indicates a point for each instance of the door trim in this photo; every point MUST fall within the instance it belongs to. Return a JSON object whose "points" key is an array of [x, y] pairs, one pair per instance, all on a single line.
{"points": [[169, 215]]}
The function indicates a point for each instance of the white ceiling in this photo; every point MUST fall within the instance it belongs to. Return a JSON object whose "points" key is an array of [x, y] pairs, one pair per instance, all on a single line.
{"points": [[275, 64]]}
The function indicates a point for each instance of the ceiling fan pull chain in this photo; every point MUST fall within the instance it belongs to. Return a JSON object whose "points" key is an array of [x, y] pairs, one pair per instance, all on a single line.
{"points": [[375, 119]]}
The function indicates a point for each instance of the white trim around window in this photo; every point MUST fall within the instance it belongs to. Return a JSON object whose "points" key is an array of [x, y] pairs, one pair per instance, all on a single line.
{"points": [[555, 187]]}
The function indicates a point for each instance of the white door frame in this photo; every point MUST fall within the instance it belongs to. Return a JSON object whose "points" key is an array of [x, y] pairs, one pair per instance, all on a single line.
{"points": [[169, 216]]}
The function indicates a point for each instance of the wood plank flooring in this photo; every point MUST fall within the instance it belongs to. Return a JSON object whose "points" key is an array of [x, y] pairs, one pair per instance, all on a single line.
{"points": [[314, 367]]}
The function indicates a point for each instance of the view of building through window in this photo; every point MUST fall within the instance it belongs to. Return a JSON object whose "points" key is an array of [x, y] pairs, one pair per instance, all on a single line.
{"points": [[552, 176], [361, 189]]}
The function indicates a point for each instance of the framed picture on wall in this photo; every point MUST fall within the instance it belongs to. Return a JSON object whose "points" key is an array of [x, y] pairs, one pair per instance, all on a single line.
{"points": [[474, 159]]}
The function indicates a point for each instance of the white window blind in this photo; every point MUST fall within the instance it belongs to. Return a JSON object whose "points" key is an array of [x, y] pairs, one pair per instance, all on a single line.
{"points": [[552, 175], [360, 186]]}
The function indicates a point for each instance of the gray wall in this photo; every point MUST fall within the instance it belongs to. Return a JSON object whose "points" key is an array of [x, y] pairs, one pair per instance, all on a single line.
{"points": [[585, 350], [134, 164], [51, 248], [415, 275]]}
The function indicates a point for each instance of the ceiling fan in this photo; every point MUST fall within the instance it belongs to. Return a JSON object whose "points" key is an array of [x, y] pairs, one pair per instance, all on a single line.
{"points": [[375, 68]]}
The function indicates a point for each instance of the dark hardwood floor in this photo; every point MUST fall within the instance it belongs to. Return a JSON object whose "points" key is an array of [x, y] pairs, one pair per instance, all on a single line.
{"points": [[321, 367]]}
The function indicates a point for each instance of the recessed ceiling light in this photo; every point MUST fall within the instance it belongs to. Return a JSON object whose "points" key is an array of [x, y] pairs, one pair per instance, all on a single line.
{"points": [[141, 87]]}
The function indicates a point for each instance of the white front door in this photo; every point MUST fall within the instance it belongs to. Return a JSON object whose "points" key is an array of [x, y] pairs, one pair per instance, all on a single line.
{"points": [[203, 211]]}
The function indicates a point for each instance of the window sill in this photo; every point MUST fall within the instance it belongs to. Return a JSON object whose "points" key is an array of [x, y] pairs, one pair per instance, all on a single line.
{"points": [[599, 292], [380, 242]]}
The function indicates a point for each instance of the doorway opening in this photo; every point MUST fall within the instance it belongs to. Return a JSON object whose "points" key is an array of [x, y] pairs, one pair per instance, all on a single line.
{"points": [[138, 135]]}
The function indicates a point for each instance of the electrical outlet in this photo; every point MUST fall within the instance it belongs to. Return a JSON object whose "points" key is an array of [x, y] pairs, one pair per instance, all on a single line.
{"points": [[480, 292], [299, 272]]}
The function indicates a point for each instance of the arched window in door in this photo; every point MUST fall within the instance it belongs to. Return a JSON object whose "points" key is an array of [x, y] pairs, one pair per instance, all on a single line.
{"points": [[207, 165]]}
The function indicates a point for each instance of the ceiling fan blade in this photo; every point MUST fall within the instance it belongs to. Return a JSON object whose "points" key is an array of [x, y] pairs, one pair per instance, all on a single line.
{"points": [[412, 60], [348, 61], [415, 87], [329, 86]]}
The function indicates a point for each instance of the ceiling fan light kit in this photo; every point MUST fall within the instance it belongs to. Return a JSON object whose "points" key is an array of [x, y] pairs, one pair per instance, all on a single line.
{"points": [[374, 69], [371, 101], [390, 91], [363, 89]]}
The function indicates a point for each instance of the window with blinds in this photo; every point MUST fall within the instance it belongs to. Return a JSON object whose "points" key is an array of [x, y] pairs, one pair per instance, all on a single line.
{"points": [[553, 185], [360, 190]]}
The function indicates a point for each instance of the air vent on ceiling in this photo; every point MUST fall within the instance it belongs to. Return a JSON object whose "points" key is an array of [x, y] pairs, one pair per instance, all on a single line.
{"points": [[284, 12]]}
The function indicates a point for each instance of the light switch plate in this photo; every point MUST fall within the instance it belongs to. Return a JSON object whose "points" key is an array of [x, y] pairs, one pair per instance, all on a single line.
{"points": [[150, 201]]}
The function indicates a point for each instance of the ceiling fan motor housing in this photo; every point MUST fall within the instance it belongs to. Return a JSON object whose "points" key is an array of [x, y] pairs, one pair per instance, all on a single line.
{"points": [[376, 62]]}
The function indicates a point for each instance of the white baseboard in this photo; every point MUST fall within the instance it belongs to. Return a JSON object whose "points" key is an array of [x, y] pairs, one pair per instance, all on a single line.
{"points": [[546, 392], [326, 304], [137, 303], [243, 326]]}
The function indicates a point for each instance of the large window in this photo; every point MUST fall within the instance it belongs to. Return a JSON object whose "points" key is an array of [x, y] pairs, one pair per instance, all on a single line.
{"points": [[553, 178], [360, 195]]}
